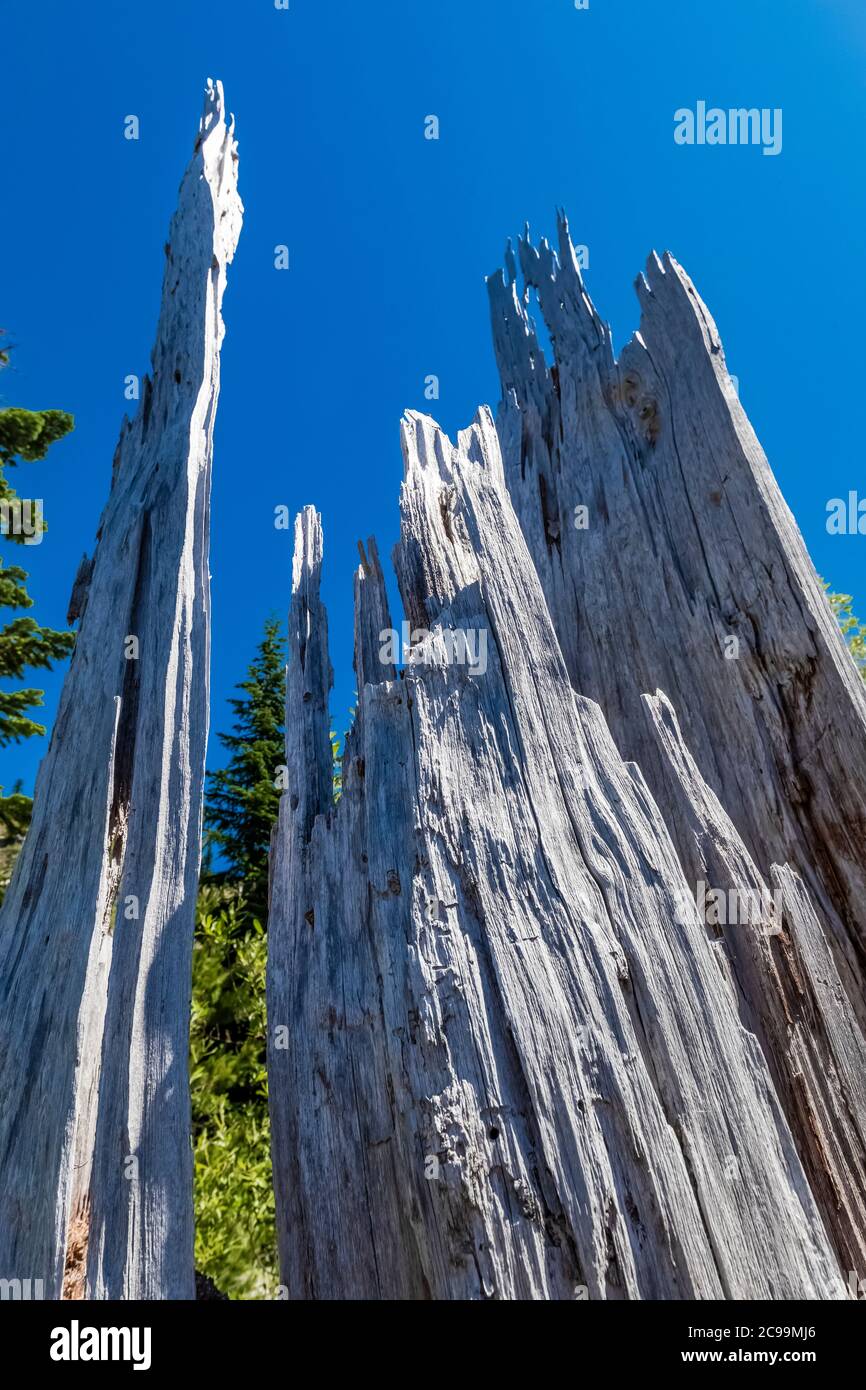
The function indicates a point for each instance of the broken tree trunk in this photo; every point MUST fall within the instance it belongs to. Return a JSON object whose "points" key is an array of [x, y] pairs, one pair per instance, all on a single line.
{"points": [[96, 929], [503, 1060], [686, 573]]}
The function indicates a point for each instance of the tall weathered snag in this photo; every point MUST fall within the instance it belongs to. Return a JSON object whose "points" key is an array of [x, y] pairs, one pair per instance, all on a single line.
{"points": [[96, 929], [503, 1060]]}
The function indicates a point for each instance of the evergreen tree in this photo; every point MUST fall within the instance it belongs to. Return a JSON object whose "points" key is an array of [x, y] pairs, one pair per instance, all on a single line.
{"points": [[25, 437], [242, 799]]}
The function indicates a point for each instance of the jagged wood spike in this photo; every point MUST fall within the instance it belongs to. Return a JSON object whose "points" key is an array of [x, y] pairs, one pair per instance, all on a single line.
{"points": [[96, 928], [689, 542], [510, 1065]]}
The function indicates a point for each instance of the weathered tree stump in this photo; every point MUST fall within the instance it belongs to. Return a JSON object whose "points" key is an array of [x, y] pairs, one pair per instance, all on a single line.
{"points": [[504, 1062]]}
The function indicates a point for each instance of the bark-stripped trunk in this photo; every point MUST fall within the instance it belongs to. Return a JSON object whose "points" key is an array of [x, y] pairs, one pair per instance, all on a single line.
{"points": [[689, 543], [96, 929], [504, 1061]]}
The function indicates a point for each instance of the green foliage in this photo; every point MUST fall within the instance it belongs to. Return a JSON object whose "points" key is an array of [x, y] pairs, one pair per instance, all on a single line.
{"points": [[853, 630], [243, 800], [28, 434], [15, 812], [24, 645], [25, 436], [234, 1203], [338, 765], [337, 756]]}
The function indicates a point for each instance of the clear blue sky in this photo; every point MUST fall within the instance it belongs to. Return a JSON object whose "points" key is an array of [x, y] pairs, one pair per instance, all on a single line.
{"points": [[391, 236]]}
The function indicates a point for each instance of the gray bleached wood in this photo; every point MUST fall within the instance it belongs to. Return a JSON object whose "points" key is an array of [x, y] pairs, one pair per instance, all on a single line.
{"points": [[689, 543], [790, 992], [94, 999], [503, 1062]]}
